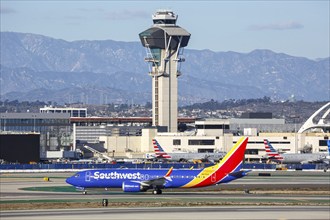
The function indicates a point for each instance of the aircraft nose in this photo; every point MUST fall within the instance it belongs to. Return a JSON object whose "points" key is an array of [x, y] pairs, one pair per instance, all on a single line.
{"points": [[69, 180]]}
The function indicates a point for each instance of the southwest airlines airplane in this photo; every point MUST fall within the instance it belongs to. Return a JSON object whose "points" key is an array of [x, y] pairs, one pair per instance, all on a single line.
{"points": [[141, 180]]}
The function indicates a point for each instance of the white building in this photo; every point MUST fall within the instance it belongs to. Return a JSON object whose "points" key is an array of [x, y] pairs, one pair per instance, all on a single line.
{"points": [[74, 112], [213, 136]]}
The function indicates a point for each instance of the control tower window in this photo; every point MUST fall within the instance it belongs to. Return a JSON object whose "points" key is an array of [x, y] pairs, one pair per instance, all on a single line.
{"points": [[161, 21], [156, 53]]}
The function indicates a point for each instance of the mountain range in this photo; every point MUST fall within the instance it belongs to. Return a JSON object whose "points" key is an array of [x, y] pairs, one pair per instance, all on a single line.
{"points": [[36, 67]]}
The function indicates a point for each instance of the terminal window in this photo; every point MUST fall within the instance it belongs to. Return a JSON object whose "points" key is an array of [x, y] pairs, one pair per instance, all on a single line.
{"points": [[252, 151], [226, 127], [201, 142], [82, 113], [75, 113], [323, 143], [201, 150]]}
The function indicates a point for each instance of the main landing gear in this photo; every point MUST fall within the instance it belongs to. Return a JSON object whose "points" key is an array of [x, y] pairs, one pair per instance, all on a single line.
{"points": [[157, 191]]}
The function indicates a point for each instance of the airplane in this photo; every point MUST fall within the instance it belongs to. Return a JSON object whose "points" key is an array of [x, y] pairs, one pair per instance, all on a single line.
{"points": [[273, 154], [185, 156], [141, 180]]}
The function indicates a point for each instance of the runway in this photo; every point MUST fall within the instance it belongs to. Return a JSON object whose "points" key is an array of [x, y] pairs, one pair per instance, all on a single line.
{"points": [[259, 187], [176, 213], [294, 195]]}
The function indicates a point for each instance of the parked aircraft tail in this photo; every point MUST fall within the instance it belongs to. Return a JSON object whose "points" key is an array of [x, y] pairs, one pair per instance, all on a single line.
{"points": [[159, 151], [271, 152]]}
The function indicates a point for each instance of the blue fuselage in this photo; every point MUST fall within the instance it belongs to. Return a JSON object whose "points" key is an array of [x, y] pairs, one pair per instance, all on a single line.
{"points": [[137, 180], [114, 178]]}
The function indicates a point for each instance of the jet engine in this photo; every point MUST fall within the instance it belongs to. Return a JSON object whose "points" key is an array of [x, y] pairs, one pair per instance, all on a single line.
{"points": [[132, 187]]}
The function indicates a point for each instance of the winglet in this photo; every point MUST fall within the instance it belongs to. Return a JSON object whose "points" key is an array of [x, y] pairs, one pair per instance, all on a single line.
{"points": [[169, 172]]}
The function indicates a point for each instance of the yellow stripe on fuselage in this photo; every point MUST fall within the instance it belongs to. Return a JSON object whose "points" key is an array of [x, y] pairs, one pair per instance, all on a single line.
{"points": [[205, 173], [208, 171]]}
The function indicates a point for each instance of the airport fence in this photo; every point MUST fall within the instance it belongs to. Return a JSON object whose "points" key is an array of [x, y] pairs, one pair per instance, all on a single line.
{"points": [[78, 166], [75, 166], [259, 166]]}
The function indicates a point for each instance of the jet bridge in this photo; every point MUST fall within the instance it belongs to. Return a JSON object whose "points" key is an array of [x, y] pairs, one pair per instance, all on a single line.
{"points": [[98, 153]]}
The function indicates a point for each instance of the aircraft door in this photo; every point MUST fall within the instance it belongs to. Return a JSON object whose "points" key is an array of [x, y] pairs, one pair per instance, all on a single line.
{"points": [[214, 177], [88, 176]]}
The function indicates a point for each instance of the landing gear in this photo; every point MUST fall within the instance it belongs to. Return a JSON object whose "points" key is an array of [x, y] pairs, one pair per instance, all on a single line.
{"points": [[84, 192], [157, 191]]}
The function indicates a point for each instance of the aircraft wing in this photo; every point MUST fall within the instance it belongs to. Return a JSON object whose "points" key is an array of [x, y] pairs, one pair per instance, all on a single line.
{"points": [[320, 160], [155, 182], [239, 174], [327, 161], [158, 181]]}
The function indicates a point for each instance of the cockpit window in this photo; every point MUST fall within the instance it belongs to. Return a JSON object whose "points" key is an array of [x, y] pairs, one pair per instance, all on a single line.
{"points": [[77, 175]]}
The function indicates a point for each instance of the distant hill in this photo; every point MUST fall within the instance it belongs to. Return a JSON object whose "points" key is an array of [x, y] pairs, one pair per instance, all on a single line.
{"points": [[35, 67]]}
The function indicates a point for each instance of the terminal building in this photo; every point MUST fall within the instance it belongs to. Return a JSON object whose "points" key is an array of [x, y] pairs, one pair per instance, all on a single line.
{"points": [[54, 131], [19, 147], [74, 112], [216, 135]]}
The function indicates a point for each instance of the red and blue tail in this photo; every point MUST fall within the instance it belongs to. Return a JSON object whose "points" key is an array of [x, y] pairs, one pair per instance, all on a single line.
{"points": [[271, 151], [226, 170], [159, 151]]}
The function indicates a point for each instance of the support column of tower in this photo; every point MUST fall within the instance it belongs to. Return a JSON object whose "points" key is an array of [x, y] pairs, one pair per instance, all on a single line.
{"points": [[166, 98]]}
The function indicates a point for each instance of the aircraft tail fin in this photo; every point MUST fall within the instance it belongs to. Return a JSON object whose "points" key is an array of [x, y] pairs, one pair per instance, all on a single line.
{"points": [[271, 152], [236, 154], [159, 151], [220, 172]]}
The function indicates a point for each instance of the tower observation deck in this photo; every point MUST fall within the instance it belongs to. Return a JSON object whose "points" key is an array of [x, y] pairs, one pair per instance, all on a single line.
{"points": [[164, 43]]}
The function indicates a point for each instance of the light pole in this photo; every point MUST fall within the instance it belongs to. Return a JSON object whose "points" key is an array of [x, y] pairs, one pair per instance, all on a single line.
{"points": [[34, 123], [295, 134], [3, 117]]}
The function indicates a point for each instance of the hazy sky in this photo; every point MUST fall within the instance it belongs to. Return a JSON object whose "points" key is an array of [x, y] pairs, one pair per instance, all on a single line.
{"points": [[298, 28]]}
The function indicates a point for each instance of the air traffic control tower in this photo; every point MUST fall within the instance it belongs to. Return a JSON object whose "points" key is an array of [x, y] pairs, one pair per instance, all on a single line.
{"points": [[164, 43]]}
